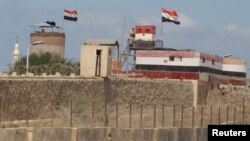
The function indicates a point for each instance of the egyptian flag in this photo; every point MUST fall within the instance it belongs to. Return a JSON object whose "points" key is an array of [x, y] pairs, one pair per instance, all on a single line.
{"points": [[169, 16], [70, 15]]}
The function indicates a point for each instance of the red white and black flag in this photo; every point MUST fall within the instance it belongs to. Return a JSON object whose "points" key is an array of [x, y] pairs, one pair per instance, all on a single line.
{"points": [[169, 16], [70, 15]]}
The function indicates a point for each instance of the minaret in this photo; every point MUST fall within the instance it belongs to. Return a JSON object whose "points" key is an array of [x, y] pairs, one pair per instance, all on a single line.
{"points": [[16, 53]]}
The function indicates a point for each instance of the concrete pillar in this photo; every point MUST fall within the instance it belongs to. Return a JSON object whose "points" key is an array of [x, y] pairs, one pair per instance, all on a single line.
{"points": [[195, 92], [30, 134]]}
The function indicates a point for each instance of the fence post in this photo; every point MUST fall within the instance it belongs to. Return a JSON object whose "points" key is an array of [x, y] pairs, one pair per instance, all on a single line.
{"points": [[243, 111], [117, 116], [193, 117], [234, 114], [105, 114], [52, 114], [154, 116], [27, 119], [201, 116], [71, 108], [163, 115], [130, 114], [141, 117], [1, 110], [211, 115], [219, 115], [227, 114], [182, 111], [174, 117], [93, 113]]}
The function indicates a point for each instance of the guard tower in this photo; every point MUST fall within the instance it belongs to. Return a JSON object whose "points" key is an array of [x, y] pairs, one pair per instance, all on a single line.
{"points": [[96, 57], [53, 40], [141, 37]]}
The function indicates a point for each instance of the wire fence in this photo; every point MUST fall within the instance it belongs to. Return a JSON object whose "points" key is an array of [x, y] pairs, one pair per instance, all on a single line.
{"points": [[84, 113]]}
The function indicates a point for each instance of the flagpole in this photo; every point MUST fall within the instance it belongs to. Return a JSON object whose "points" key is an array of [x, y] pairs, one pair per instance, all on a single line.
{"points": [[161, 31], [62, 23], [162, 34]]}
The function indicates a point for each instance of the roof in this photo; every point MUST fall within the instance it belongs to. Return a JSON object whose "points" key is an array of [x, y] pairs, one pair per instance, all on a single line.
{"points": [[47, 24], [102, 42]]}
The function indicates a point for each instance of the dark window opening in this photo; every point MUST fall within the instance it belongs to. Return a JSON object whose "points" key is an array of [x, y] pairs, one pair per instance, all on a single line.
{"points": [[212, 62], [203, 60], [171, 58], [147, 30], [98, 52], [139, 30], [98, 63]]}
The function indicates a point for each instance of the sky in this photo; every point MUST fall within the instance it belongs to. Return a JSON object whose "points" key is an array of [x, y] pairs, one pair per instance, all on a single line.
{"points": [[214, 26]]}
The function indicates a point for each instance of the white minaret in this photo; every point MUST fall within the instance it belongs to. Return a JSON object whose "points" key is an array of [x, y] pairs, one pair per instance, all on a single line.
{"points": [[16, 53]]}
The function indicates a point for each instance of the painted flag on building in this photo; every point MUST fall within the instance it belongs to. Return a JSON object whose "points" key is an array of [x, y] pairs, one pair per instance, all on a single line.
{"points": [[169, 16], [70, 15]]}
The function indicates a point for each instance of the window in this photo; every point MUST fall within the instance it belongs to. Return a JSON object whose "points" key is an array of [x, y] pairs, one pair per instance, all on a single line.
{"points": [[139, 30], [171, 58], [147, 30], [212, 62], [175, 58], [98, 52], [203, 60]]}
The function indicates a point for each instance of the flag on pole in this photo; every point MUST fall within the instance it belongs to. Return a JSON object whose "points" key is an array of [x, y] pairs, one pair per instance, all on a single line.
{"points": [[70, 15], [169, 16]]}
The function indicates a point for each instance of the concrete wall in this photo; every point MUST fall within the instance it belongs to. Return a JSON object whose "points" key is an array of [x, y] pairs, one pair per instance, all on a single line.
{"points": [[33, 96], [104, 134], [20, 134]]}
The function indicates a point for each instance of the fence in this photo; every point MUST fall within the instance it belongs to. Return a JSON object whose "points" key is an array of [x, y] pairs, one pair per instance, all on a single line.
{"points": [[84, 113]]}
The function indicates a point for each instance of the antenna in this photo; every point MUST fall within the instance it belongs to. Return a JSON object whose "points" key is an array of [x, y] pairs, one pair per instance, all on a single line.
{"points": [[17, 39], [123, 32]]}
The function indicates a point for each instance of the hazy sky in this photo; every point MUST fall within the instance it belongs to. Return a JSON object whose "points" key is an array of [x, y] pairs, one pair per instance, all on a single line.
{"points": [[214, 26]]}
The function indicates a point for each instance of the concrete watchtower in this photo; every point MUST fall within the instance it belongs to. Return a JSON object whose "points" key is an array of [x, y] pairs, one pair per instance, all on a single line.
{"points": [[53, 41], [96, 57]]}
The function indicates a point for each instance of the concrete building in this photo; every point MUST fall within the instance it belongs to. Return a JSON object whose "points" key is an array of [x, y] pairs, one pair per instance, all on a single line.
{"points": [[190, 64], [155, 62], [145, 32], [96, 57], [53, 41]]}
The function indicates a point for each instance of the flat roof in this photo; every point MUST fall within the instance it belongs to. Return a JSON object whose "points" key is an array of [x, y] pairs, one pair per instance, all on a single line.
{"points": [[102, 42]]}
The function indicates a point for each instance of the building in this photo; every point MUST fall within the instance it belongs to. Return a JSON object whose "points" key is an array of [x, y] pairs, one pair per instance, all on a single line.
{"points": [[96, 57], [153, 61], [53, 41], [16, 53], [190, 64]]}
